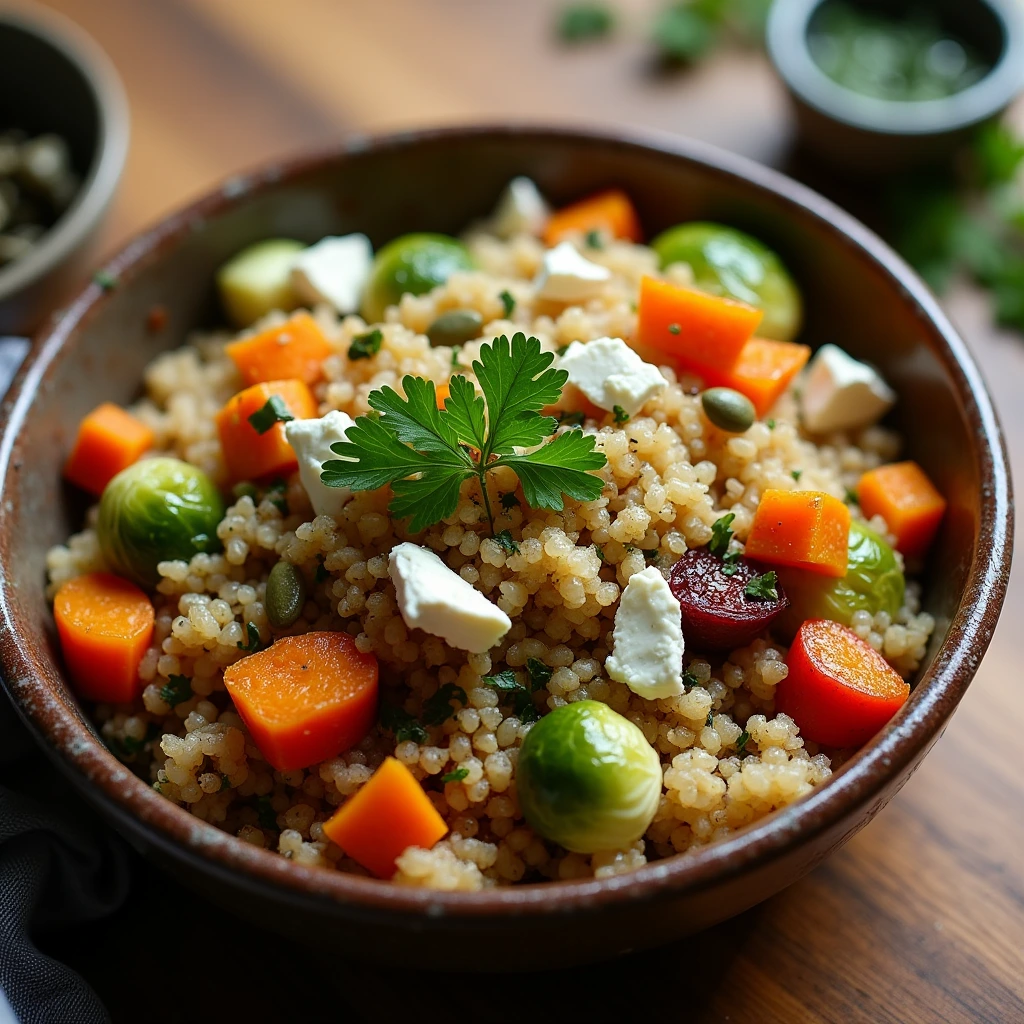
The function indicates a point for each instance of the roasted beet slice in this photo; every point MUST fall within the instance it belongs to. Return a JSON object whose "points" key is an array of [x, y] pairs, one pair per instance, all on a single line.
{"points": [[717, 616]]}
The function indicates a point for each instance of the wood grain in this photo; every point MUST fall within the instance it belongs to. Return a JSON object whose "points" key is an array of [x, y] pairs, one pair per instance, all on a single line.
{"points": [[921, 917]]}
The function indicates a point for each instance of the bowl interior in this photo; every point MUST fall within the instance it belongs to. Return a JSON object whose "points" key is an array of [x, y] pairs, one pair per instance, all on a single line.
{"points": [[858, 295]]}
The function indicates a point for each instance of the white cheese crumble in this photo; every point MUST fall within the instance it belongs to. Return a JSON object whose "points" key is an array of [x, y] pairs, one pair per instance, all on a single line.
{"points": [[611, 374], [312, 440], [566, 276], [840, 393], [521, 210], [335, 271], [647, 641], [433, 598]]}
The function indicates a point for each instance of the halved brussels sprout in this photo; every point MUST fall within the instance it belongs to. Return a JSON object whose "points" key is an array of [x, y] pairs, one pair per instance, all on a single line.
{"points": [[155, 511], [588, 779], [728, 262], [411, 263], [873, 583], [258, 280]]}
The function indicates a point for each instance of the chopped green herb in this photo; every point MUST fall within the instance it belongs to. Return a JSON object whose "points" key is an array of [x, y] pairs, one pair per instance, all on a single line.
{"points": [[600, 552], [508, 544], [649, 553], [711, 718], [253, 643], [595, 239], [690, 681], [456, 776], [730, 563], [508, 301], [796, 474], [273, 411], [504, 681], [456, 365], [851, 497], [741, 743], [225, 783], [397, 720], [570, 419], [621, 416], [438, 709], [511, 689], [509, 501], [539, 673], [321, 572], [365, 345], [267, 814], [176, 690], [721, 535], [580, 22], [770, 423], [106, 280], [674, 329], [763, 588]]}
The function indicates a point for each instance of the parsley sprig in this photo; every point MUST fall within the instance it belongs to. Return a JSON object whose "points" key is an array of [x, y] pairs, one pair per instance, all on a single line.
{"points": [[426, 453]]}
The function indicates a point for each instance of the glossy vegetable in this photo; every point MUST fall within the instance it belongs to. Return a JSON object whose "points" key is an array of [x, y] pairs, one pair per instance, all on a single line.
{"points": [[803, 529], [695, 330], [250, 455], [717, 615], [285, 596], [873, 583], [384, 818], [105, 625], [610, 213], [443, 394], [763, 371], [258, 280], [728, 262], [411, 264], [907, 500], [157, 510], [306, 698], [293, 350], [455, 327], [840, 691], [588, 779], [728, 410], [109, 440]]}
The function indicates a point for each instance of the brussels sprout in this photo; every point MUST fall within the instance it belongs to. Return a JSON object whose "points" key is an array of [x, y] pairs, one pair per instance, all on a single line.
{"points": [[728, 262], [588, 779], [155, 511], [414, 264], [259, 279], [873, 583]]}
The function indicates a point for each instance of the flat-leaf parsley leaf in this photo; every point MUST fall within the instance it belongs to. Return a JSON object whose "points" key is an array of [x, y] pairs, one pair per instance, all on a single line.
{"points": [[176, 690], [721, 535], [763, 588], [365, 345]]}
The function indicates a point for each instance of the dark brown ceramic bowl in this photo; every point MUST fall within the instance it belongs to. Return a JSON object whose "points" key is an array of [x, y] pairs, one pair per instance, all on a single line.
{"points": [[858, 294]]}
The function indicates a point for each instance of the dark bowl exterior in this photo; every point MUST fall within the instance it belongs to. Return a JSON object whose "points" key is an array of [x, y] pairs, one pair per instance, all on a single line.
{"points": [[859, 295]]}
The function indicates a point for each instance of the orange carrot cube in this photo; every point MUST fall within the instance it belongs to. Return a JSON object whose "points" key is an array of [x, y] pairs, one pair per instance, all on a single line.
{"points": [[109, 440], [610, 212], [907, 500], [295, 350], [803, 529]]}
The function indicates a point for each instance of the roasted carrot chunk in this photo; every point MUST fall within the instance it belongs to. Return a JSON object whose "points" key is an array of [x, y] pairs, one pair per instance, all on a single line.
{"points": [[387, 816], [697, 331], [295, 350], [306, 698], [907, 500], [609, 212], [763, 371], [250, 455], [109, 440], [443, 393], [804, 529], [840, 691], [105, 625]]}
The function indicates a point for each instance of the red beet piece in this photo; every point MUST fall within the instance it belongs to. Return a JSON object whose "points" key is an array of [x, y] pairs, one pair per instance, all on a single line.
{"points": [[717, 616]]}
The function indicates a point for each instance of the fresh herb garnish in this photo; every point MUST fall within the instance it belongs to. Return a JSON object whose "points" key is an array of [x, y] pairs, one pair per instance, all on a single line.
{"points": [[509, 687], [649, 553], [456, 365], [456, 776], [365, 345], [730, 563], [106, 280], [771, 423], [539, 673], [508, 301], [507, 543], [721, 535], [594, 239], [711, 718], [397, 720], [621, 416], [438, 709], [741, 743], [580, 22], [267, 814], [272, 411], [426, 453], [763, 588], [253, 643], [796, 474], [674, 329], [690, 681], [600, 552], [509, 501], [176, 690], [851, 497]]}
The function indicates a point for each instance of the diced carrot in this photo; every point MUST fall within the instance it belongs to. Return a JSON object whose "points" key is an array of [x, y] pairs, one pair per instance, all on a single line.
{"points": [[105, 625], [384, 818], [306, 698], [295, 349], [839, 690], [443, 391], [610, 212], [109, 440], [763, 371], [250, 455], [907, 500], [803, 529], [697, 331]]}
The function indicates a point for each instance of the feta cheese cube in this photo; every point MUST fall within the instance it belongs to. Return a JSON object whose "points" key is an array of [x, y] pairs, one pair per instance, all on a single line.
{"points": [[433, 598], [611, 374], [521, 210], [647, 640], [312, 440], [335, 270], [565, 276], [840, 393]]}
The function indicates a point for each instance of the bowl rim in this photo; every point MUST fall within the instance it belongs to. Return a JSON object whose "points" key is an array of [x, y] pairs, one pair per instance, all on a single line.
{"points": [[786, 36], [867, 776], [113, 129]]}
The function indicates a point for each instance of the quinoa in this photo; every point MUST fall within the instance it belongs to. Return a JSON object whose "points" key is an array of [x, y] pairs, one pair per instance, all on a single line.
{"points": [[669, 477]]}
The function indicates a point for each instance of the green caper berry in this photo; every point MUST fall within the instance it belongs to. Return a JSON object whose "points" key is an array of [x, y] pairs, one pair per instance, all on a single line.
{"points": [[728, 410], [286, 594], [455, 327]]}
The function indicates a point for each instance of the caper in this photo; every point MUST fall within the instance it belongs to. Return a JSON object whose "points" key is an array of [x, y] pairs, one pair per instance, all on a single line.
{"points": [[455, 327], [728, 409], [286, 594]]}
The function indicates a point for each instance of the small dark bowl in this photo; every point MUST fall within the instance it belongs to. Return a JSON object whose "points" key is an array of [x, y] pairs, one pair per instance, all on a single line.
{"points": [[858, 295], [862, 135], [54, 78]]}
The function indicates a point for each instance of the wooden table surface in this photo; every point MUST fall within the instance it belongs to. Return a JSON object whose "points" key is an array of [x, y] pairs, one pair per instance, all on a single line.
{"points": [[920, 918]]}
